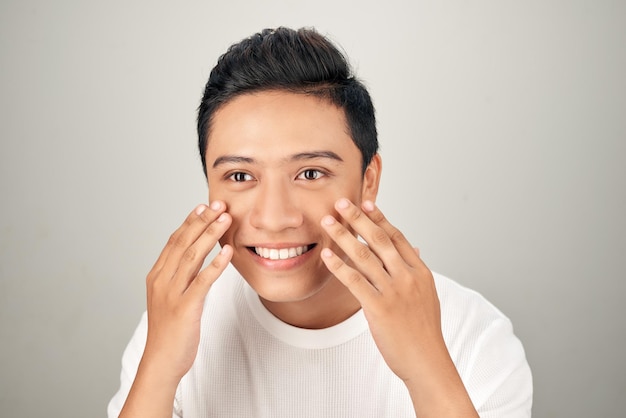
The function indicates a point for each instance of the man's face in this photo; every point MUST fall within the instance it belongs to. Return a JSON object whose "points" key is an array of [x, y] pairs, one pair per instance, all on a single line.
{"points": [[280, 161]]}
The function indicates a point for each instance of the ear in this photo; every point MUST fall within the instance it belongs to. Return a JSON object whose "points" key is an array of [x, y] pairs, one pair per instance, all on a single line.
{"points": [[371, 179]]}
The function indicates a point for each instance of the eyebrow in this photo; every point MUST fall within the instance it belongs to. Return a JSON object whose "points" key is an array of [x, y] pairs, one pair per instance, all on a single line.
{"points": [[225, 159], [311, 155], [316, 154]]}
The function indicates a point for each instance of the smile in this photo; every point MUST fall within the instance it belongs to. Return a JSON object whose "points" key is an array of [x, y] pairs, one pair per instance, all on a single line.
{"points": [[282, 253]]}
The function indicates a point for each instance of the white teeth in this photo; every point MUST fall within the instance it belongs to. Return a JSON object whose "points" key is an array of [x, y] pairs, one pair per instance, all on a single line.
{"points": [[282, 253]]}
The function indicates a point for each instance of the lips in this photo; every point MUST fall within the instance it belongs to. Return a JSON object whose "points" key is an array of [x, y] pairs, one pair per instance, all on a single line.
{"points": [[281, 253]]}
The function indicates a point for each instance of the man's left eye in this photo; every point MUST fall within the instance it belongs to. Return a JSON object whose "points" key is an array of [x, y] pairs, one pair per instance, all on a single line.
{"points": [[310, 174]]}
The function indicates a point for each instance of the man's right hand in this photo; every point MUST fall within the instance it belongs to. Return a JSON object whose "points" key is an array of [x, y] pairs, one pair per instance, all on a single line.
{"points": [[176, 291]]}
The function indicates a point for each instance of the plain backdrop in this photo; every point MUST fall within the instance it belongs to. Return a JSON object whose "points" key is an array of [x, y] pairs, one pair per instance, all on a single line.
{"points": [[503, 132]]}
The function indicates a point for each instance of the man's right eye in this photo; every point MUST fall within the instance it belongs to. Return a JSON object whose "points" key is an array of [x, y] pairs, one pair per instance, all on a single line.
{"points": [[240, 177]]}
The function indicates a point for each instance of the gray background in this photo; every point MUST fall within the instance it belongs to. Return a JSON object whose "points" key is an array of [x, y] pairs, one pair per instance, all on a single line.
{"points": [[503, 128]]}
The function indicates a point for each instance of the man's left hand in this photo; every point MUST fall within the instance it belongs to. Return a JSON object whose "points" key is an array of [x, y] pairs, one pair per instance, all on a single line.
{"points": [[394, 286]]}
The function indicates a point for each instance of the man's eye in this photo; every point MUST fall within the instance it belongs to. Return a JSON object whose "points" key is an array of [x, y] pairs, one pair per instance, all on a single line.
{"points": [[240, 177], [310, 174]]}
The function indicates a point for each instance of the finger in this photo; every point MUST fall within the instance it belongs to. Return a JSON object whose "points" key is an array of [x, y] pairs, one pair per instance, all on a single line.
{"points": [[187, 234], [358, 285], [194, 256], [158, 265], [404, 247], [200, 286], [359, 254], [376, 237]]}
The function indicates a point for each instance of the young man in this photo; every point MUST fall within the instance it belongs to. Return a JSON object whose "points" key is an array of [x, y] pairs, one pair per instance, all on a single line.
{"points": [[316, 306]]}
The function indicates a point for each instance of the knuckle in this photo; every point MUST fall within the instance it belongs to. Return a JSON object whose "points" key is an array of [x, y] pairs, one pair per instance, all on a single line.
{"points": [[154, 281], [202, 276], [177, 240], [190, 254], [341, 231], [206, 278], [353, 277], [423, 271], [188, 221], [380, 236], [204, 217], [216, 263], [354, 214], [363, 252], [396, 236], [336, 265], [172, 239], [151, 276], [209, 230], [377, 217]]}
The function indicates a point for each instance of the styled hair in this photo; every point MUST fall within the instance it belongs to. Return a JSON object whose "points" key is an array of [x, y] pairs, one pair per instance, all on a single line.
{"points": [[300, 61]]}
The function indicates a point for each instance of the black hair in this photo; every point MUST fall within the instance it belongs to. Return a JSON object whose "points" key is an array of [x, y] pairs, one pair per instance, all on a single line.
{"points": [[300, 61]]}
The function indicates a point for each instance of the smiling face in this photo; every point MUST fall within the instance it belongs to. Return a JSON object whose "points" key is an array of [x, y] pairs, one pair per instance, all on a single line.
{"points": [[280, 161]]}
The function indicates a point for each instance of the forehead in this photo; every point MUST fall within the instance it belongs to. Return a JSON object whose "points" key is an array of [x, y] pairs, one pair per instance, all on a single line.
{"points": [[273, 124]]}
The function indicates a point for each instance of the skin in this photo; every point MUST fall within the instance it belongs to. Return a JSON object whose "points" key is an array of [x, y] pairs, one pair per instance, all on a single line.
{"points": [[282, 139], [283, 173]]}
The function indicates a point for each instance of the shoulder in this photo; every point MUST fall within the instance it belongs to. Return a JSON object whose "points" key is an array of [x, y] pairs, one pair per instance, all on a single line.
{"points": [[488, 355], [468, 319], [460, 304]]}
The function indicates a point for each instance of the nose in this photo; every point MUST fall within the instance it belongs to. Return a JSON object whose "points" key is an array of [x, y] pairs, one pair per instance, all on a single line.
{"points": [[275, 208]]}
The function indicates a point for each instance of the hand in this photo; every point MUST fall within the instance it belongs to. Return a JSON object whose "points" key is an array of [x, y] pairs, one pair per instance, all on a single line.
{"points": [[395, 288], [176, 288], [397, 293], [176, 291]]}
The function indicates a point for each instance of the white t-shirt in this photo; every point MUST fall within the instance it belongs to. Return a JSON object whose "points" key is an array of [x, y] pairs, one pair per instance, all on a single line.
{"points": [[251, 364]]}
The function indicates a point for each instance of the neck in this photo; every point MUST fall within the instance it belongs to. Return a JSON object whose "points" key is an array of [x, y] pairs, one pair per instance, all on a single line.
{"points": [[326, 308]]}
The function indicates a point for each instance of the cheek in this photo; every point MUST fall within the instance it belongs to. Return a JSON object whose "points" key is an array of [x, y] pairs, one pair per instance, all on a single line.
{"points": [[235, 202], [314, 206], [324, 202], [237, 208]]}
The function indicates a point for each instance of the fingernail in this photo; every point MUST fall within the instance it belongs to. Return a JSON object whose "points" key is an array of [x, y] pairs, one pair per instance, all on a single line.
{"points": [[216, 206], [343, 204], [368, 205], [200, 209], [222, 218], [224, 250], [326, 253], [328, 220]]}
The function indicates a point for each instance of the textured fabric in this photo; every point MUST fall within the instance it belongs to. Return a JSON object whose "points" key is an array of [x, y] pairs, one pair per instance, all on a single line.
{"points": [[250, 364]]}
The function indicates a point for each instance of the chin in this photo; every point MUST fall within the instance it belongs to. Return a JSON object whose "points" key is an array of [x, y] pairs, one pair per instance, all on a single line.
{"points": [[283, 286]]}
